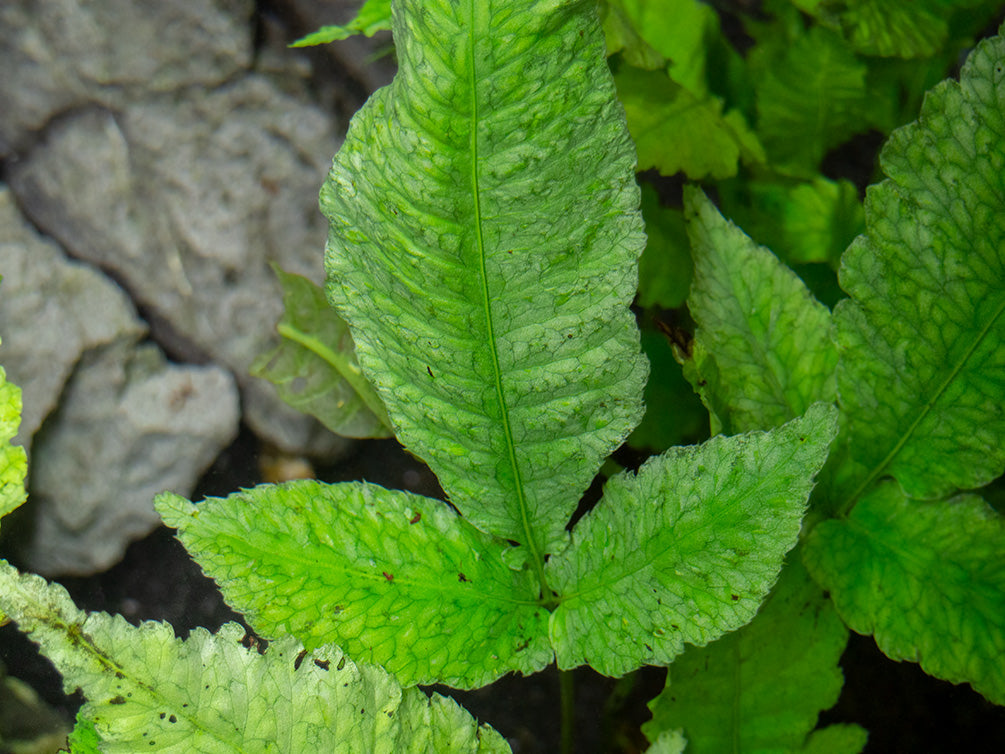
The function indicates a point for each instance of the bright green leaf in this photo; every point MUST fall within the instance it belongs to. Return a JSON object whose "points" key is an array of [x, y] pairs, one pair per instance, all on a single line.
{"points": [[622, 36], [483, 246], [686, 549], [148, 691], [922, 340], [762, 687], [314, 367], [13, 462], [393, 578], [811, 96], [924, 578], [762, 352], [676, 131], [374, 16]]}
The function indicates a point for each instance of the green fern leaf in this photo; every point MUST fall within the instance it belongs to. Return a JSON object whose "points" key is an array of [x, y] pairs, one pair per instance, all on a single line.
{"points": [[391, 577], [925, 578], [209, 694], [921, 376], [686, 549], [483, 246], [13, 462]]}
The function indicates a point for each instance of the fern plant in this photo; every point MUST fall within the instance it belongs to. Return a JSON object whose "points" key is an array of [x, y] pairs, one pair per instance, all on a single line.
{"points": [[484, 245]]}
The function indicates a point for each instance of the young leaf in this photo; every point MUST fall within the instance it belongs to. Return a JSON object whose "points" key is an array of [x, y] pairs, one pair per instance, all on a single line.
{"points": [[762, 687], [762, 352], [686, 549], [148, 691], [841, 738], [374, 16], [921, 377], [13, 462], [926, 579], [314, 367], [484, 234], [393, 578]]}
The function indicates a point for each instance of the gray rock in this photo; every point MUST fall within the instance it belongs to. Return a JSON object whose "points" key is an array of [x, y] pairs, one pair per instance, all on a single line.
{"points": [[51, 311], [185, 193], [130, 425]]}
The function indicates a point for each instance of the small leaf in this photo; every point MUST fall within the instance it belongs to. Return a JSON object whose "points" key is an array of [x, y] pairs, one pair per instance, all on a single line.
{"points": [[762, 350], [148, 691], [665, 266], [686, 549], [374, 16], [762, 687], [13, 461], [314, 367], [394, 578], [921, 376], [924, 578], [842, 738], [483, 248]]}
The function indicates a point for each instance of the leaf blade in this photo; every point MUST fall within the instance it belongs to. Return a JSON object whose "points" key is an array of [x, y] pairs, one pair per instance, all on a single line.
{"points": [[922, 338], [394, 578], [912, 574], [672, 556], [463, 239], [147, 690]]}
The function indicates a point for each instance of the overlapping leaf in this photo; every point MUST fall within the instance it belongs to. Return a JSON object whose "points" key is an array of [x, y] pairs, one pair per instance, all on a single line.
{"points": [[148, 691], [393, 578], [484, 231], [374, 16], [762, 352], [685, 550], [314, 366], [925, 578], [761, 687], [922, 368]]}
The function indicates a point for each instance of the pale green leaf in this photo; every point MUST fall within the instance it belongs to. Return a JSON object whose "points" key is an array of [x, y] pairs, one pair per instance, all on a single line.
{"points": [[13, 462], [676, 131], [209, 694], [374, 16], [762, 351], [921, 376], [811, 96], [686, 549], [669, 742], [314, 366], [483, 246], [762, 687], [391, 577], [842, 738], [924, 578]]}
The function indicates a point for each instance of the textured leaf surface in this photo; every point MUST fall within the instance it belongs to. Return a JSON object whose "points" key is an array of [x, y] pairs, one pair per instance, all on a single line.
{"points": [[925, 579], [148, 691], [315, 368], [760, 688], [484, 233], [13, 462], [762, 352], [374, 16], [686, 549], [393, 578], [922, 360]]}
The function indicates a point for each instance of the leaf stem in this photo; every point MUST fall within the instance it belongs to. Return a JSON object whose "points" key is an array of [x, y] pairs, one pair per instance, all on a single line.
{"points": [[567, 693]]}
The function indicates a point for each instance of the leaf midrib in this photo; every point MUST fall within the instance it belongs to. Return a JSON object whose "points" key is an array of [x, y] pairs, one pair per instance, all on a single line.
{"points": [[530, 540]]}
